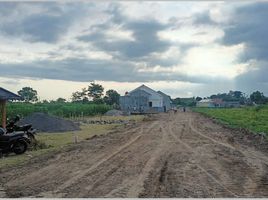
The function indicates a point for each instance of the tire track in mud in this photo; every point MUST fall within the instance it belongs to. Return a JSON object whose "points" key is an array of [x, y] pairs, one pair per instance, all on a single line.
{"points": [[80, 172], [161, 158], [139, 183], [104, 160], [243, 151], [198, 165], [2, 192], [252, 176], [134, 185], [94, 166]]}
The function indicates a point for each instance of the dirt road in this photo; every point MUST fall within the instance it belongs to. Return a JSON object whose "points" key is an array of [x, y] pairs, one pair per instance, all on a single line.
{"points": [[174, 155]]}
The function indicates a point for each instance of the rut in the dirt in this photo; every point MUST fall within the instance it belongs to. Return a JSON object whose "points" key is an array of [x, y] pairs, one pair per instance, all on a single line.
{"points": [[174, 155]]}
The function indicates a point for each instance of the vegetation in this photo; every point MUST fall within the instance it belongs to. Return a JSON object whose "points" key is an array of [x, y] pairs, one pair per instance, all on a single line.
{"points": [[94, 92], [112, 97], [28, 94], [258, 97], [184, 101], [59, 109], [251, 118]]}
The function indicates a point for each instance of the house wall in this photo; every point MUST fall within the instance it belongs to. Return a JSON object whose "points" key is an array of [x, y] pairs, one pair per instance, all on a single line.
{"points": [[154, 97], [166, 100], [139, 100], [135, 102]]}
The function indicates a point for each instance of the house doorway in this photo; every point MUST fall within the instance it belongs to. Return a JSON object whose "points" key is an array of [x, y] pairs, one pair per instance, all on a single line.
{"points": [[150, 104]]}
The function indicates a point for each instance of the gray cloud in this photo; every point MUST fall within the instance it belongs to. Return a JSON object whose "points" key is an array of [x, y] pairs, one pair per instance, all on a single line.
{"points": [[45, 26], [203, 19], [55, 19], [249, 26], [144, 33], [85, 70]]}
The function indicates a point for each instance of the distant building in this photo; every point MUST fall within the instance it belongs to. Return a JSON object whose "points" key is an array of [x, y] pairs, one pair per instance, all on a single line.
{"points": [[217, 103], [207, 103], [145, 100]]}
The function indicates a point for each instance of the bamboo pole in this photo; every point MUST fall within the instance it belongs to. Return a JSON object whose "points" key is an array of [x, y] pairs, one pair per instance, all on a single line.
{"points": [[3, 112]]}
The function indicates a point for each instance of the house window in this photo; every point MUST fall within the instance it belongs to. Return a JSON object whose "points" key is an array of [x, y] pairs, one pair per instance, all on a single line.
{"points": [[150, 104]]}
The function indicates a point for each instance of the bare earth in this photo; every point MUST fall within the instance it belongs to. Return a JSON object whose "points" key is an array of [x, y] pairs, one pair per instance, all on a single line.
{"points": [[174, 155]]}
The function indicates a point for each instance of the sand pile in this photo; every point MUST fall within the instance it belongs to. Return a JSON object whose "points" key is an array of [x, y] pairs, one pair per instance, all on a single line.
{"points": [[47, 123]]}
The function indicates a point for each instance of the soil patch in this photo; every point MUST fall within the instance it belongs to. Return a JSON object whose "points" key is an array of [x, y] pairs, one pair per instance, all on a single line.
{"points": [[176, 155]]}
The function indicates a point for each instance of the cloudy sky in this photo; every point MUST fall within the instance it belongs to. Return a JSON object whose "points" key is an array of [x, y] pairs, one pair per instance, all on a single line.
{"points": [[182, 48]]}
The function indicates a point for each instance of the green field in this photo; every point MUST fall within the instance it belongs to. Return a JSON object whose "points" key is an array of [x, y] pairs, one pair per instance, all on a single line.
{"points": [[67, 110], [254, 119]]}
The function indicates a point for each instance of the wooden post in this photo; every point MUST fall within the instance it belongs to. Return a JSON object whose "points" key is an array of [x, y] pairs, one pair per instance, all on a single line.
{"points": [[4, 114]]}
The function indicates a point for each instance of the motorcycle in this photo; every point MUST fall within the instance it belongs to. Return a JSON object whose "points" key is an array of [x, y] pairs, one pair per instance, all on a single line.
{"points": [[27, 129], [13, 142]]}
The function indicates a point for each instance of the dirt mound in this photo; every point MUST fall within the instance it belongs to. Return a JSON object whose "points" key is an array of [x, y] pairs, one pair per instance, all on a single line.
{"points": [[114, 113], [46, 123]]}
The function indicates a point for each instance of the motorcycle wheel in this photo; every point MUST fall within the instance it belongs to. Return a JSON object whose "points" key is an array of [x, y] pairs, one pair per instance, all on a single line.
{"points": [[20, 147]]}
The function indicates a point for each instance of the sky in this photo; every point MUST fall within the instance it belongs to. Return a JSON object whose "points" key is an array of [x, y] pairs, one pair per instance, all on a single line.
{"points": [[182, 48]]}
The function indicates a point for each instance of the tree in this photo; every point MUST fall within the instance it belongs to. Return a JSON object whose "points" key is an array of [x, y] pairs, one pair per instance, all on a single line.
{"points": [[176, 101], [95, 91], [238, 94], [28, 94], [80, 96], [45, 101], [61, 100], [111, 97], [76, 96], [258, 97], [198, 98]]}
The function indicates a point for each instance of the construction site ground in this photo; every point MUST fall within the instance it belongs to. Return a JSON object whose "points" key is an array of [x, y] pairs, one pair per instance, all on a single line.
{"points": [[169, 155]]}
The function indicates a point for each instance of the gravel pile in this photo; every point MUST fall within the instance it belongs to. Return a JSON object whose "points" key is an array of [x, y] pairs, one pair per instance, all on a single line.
{"points": [[46, 123]]}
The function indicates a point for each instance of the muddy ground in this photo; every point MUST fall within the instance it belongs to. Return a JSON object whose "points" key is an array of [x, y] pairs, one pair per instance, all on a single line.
{"points": [[174, 155]]}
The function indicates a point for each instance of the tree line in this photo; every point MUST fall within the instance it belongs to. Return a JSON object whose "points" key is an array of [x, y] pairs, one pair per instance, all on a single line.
{"points": [[94, 93], [256, 97]]}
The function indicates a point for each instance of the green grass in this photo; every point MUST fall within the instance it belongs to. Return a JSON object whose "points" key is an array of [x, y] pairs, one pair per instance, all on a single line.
{"points": [[254, 119], [59, 109]]}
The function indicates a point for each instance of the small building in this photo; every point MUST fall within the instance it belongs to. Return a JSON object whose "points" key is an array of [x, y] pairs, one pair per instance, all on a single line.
{"points": [[206, 103], [217, 103], [6, 95], [145, 100]]}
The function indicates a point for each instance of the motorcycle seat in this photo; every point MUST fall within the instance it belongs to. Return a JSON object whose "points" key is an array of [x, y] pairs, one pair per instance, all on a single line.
{"points": [[25, 127], [6, 137]]}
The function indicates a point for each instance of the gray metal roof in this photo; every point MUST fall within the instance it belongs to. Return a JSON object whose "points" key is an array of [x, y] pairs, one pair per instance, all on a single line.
{"points": [[7, 95], [163, 94]]}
